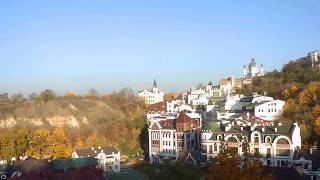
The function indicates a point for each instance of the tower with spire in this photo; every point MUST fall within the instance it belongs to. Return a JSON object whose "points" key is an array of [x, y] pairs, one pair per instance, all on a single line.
{"points": [[254, 70], [155, 86], [152, 95]]}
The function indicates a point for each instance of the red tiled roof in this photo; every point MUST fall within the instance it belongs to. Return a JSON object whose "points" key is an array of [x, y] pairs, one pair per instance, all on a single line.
{"points": [[183, 118], [158, 107], [167, 124]]}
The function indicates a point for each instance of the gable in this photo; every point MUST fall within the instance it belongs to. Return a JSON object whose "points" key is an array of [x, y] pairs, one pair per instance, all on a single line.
{"points": [[155, 126]]}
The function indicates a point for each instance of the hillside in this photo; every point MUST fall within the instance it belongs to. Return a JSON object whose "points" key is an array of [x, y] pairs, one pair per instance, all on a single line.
{"points": [[299, 86], [85, 121], [60, 112]]}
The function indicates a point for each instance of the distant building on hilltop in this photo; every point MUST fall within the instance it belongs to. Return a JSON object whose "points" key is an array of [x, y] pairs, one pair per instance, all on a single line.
{"points": [[315, 59], [254, 70], [151, 96]]}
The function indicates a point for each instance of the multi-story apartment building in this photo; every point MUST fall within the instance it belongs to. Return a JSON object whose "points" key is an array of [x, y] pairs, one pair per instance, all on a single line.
{"points": [[174, 138]]}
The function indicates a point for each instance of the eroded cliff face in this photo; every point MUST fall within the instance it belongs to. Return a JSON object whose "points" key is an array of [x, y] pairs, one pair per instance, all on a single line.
{"points": [[71, 113]]}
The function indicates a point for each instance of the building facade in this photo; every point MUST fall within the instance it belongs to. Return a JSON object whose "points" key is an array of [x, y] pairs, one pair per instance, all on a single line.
{"points": [[108, 157], [151, 96], [172, 138], [254, 70], [275, 145], [315, 59]]}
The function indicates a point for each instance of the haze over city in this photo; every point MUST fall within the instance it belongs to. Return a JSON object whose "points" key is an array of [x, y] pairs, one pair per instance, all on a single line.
{"points": [[75, 46]]}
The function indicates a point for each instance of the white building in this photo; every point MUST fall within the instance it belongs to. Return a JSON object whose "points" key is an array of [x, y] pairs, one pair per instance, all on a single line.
{"points": [[275, 145], [254, 70], [270, 110], [195, 95], [315, 59], [151, 96], [108, 157], [201, 100], [233, 103]]}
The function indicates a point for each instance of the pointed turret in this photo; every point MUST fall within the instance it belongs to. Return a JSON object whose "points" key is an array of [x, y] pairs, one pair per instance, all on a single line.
{"points": [[261, 70], [244, 71], [155, 85]]}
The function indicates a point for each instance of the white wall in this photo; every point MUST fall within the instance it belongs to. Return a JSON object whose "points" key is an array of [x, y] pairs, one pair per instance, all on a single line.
{"points": [[269, 111]]}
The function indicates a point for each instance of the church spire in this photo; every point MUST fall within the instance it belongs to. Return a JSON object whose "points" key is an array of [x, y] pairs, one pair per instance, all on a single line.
{"points": [[155, 83]]}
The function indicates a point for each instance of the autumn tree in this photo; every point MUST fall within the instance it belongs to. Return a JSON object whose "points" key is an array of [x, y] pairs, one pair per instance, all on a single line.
{"points": [[7, 145], [229, 165], [22, 139], [69, 94], [47, 95], [169, 96], [93, 93], [61, 146], [41, 143]]}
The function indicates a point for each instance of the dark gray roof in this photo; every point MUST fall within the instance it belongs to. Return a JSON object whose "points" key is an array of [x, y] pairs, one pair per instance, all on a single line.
{"points": [[314, 156], [63, 164], [283, 129], [268, 130], [93, 153], [246, 99]]}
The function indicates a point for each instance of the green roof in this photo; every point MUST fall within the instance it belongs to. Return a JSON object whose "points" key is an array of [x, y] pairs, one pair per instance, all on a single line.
{"points": [[124, 175], [213, 126], [63, 164]]}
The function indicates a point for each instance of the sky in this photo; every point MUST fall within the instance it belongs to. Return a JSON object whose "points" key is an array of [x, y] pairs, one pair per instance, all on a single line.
{"points": [[76, 45]]}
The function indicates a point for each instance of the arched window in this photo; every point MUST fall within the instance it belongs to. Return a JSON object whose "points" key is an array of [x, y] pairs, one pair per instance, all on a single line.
{"points": [[256, 139], [232, 140], [282, 147], [268, 139]]}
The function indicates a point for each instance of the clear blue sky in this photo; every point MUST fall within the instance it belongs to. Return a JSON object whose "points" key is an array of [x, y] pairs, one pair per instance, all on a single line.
{"points": [[76, 45]]}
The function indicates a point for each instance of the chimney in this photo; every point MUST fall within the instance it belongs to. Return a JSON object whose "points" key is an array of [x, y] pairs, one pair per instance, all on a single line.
{"points": [[275, 129]]}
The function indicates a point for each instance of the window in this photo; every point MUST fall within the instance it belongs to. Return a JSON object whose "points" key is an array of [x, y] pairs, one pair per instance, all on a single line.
{"points": [[256, 139], [268, 139], [256, 150], [174, 143], [169, 143]]}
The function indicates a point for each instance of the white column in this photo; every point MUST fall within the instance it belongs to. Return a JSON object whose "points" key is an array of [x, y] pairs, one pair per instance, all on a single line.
{"points": [[150, 147]]}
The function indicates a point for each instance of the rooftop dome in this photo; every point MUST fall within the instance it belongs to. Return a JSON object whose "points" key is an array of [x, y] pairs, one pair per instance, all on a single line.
{"points": [[253, 63]]}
